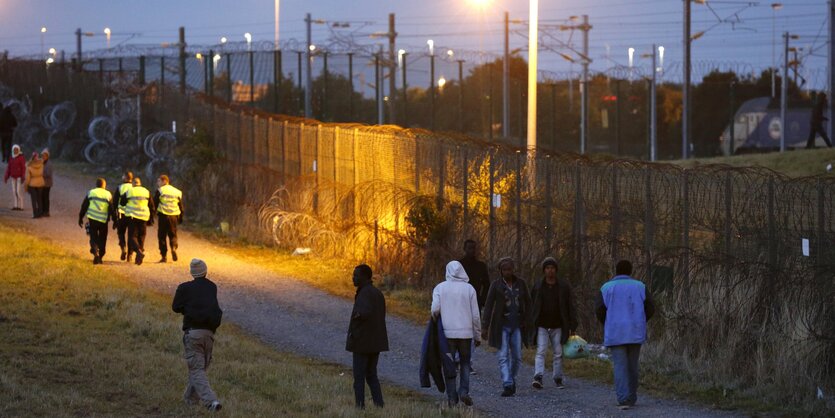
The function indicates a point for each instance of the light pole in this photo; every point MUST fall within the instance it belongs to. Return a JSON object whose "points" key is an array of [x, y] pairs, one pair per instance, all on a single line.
{"points": [[774, 8], [107, 35], [43, 33], [277, 8], [784, 90], [533, 46]]}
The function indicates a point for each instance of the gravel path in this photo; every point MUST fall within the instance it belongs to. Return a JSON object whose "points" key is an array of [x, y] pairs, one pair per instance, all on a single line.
{"points": [[295, 317]]}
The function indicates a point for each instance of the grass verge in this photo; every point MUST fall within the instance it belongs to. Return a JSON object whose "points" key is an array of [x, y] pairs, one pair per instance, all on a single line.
{"points": [[83, 341], [796, 163]]}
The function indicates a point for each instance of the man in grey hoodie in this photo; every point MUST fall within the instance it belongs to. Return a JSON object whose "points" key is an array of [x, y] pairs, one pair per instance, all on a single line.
{"points": [[455, 301]]}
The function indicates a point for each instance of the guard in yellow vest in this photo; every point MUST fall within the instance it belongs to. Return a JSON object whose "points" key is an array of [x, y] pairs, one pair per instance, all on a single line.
{"points": [[120, 221], [169, 201], [138, 208], [97, 207]]}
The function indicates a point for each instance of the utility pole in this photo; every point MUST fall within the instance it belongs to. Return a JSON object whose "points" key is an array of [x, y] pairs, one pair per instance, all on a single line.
{"points": [[685, 114], [831, 66], [432, 91], [460, 95], [784, 89], [653, 133], [584, 112], [308, 106], [392, 35], [78, 48], [506, 78], [533, 60], [182, 46]]}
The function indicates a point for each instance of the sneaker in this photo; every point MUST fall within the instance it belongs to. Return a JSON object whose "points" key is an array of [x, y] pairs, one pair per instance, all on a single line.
{"points": [[537, 382], [173, 255], [467, 400], [624, 406], [507, 392], [558, 382], [215, 406]]}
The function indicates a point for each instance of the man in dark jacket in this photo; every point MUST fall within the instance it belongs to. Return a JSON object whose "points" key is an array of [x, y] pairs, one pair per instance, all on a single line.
{"points": [[197, 301], [505, 316], [554, 317], [816, 123], [8, 123], [367, 336], [624, 305], [476, 271]]}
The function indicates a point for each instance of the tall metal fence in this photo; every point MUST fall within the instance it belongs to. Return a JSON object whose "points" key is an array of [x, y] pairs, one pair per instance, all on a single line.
{"points": [[739, 260]]}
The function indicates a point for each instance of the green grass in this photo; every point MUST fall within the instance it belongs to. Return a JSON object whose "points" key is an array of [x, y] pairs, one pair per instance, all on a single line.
{"points": [[83, 341], [796, 163]]}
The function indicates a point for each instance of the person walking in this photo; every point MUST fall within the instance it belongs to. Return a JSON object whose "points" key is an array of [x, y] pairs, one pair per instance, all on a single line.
{"points": [[504, 321], [120, 220], [196, 300], [367, 336], [47, 178], [169, 202], [97, 207], [816, 123], [34, 183], [8, 123], [555, 318], [16, 170], [624, 305], [455, 302], [138, 208]]}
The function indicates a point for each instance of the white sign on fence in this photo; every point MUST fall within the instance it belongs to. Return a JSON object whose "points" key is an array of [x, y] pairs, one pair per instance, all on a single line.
{"points": [[805, 244], [497, 200]]}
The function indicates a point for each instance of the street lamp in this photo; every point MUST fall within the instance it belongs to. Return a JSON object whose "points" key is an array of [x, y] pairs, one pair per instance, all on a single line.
{"points": [[43, 33], [441, 83], [431, 45], [774, 8], [52, 51], [533, 61], [248, 37], [400, 54], [107, 35], [223, 40]]}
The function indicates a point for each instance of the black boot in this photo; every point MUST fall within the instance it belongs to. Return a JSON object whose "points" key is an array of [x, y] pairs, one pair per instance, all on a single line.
{"points": [[139, 257], [124, 254], [174, 255]]}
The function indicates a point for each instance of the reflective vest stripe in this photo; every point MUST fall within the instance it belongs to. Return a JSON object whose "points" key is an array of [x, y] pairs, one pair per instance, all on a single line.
{"points": [[99, 204], [137, 206], [169, 197]]}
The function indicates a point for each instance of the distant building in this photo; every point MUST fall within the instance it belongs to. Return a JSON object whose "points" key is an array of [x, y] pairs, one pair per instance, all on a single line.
{"points": [[240, 92], [757, 128]]}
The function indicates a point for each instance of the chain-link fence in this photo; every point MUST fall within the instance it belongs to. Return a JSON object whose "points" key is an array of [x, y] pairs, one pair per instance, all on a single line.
{"points": [[740, 261]]}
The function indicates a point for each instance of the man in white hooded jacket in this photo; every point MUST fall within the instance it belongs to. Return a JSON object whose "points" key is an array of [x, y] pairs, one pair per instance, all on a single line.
{"points": [[457, 304]]}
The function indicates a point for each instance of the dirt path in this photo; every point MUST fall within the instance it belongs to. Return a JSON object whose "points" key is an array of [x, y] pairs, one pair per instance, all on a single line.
{"points": [[295, 317]]}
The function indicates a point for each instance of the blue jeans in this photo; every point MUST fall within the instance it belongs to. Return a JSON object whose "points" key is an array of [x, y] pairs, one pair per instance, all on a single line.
{"points": [[460, 348], [510, 355], [625, 362], [365, 370]]}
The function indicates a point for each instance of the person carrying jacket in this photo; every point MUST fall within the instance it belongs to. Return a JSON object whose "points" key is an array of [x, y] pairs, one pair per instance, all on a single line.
{"points": [[367, 336], [456, 302], [97, 207], [554, 318], [434, 361], [121, 221], [169, 202], [34, 183], [196, 300], [138, 208], [504, 320], [16, 170], [624, 305]]}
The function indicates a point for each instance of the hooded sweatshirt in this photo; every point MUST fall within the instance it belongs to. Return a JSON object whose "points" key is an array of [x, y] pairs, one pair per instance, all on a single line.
{"points": [[455, 300]]}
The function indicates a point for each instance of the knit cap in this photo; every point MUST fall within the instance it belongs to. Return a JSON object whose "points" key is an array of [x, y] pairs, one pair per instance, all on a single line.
{"points": [[503, 261], [198, 268], [549, 261]]}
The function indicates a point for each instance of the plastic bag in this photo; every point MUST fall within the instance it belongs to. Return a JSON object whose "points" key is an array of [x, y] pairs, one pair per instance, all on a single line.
{"points": [[575, 347]]}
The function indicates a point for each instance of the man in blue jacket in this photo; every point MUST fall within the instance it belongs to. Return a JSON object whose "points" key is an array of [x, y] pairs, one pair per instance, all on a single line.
{"points": [[624, 305]]}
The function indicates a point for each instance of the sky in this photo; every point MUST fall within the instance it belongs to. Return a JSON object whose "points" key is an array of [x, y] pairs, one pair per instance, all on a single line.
{"points": [[739, 34]]}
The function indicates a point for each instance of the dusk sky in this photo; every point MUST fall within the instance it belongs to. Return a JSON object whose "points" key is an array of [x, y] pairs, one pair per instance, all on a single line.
{"points": [[459, 24]]}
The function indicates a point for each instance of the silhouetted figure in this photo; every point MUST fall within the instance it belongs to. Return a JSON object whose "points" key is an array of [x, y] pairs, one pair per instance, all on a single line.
{"points": [[8, 123], [816, 123]]}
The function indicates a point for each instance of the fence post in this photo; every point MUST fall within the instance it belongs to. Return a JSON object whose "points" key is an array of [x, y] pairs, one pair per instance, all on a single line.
{"points": [[465, 174], [615, 221], [211, 62], [819, 245], [518, 208], [685, 218], [284, 148], [441, 177], [316, 170], [324, 100], [772, 226], [101, 69], [162, 82], [417, 166], [142, 70], [351, 85], [206, 74], [728, 220], [229, 77], [491, 204], [578, 222], [277, 81], [549, 225], [355, 146], [252, 78], [649, 226], [300, 148], [300, 97], [405, 91]]}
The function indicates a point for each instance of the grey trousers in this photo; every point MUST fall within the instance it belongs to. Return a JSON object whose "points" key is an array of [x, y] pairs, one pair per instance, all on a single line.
{"points": [[198, 354]]}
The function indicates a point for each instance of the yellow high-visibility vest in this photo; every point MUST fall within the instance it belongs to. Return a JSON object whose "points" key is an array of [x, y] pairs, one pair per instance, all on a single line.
{"points": [[123, 188], [99, 206], [137, 206], [169, 197]]}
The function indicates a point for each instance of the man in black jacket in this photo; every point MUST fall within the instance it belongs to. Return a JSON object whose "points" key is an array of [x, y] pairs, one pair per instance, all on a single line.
{"points": [[367, 336], [197, 301], [476, 271], [554, 317]]}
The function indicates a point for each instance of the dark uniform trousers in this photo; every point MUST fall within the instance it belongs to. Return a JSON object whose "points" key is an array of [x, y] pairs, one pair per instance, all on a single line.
{"points": [[98, 238], [167, 228], [136, 235], [121, 231]]}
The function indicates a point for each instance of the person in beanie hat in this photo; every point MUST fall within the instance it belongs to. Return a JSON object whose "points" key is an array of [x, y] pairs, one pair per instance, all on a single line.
{"points": [[555, 318], [504, 320], [196, 300]]}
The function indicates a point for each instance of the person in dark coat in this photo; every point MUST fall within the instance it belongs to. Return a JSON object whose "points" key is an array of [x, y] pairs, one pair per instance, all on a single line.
{"points": [[367, 336], [476, 271], [816, 123], [8, 123], [197, 301], [504, 321], [554, 318]]}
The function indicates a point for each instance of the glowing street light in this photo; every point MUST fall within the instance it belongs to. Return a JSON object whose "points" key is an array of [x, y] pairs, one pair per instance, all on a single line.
{"points": [[450, 54], [223, 40], [43, 33], [50, 60], [441, 83], [312, 48], [52, 51], [400, 54], [248, 37], [660, 59], [431, 45], [107, 35]]}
